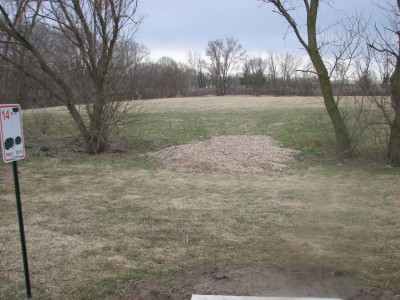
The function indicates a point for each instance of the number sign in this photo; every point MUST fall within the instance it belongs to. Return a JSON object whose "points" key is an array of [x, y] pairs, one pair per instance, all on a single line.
{"points": [[11, 136]]}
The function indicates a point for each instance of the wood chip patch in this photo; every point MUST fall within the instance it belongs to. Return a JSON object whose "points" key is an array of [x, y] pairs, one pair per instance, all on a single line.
{"points": [[227, 154]]}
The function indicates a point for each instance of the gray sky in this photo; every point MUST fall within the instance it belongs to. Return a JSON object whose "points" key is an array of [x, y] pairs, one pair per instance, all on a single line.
{"points": [[173, 27]]}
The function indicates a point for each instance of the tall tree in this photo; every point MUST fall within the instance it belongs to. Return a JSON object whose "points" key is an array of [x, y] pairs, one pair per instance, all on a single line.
{"points": [[306, 79], [128, 69], [288, 63], [85, 34], [388, 42], [172, 81], [224, 56], [288, 9], [196, 64], [272, 71], [254, 74]]}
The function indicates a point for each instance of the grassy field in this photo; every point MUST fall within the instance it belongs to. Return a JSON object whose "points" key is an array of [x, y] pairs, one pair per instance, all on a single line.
{"points": [[96, 225]]}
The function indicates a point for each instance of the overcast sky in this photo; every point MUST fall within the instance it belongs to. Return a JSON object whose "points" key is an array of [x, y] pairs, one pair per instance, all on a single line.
{"points": [[173, 27]]}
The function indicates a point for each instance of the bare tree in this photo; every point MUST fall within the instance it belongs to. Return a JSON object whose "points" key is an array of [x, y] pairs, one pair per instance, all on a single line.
{"points": [[224, 56], [289, 9], [85, 34], [272, 71], [388, 42], [306, 79], [164, 79], [254, 73], [288, 63], [128, 69], [12, 78], [172, 80], [196, 64]]}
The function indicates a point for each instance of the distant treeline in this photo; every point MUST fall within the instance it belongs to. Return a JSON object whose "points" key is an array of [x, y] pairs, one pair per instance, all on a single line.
{"points": [[133, 76]]}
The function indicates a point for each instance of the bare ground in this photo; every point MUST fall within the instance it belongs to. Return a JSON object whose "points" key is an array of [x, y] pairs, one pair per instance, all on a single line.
{"points": [[254, 281]]}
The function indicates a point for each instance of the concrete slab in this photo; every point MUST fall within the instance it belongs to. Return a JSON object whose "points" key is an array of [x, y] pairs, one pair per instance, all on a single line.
{"points": [[218, 297]]}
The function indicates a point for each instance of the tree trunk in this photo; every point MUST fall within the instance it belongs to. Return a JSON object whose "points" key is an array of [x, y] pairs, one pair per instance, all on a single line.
{"points": [[343, 143], [81, 127], [393, 151], [97, 127], [220, 88], [339, 126]]}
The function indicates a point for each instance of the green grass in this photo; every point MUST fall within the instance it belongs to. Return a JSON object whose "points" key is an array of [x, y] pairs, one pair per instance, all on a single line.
{"points": [[302, 129], [95, 224]]}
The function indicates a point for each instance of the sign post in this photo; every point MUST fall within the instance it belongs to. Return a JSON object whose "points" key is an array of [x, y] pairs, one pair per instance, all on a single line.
{"points": [[12, 144]]}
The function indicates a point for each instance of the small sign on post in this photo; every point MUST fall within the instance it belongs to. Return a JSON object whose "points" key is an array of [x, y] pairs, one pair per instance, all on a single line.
{"points": [[13, 149], [12, 138]]}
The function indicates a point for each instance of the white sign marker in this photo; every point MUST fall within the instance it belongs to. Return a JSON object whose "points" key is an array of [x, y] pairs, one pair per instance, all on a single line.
{"points": [[11, 135]]}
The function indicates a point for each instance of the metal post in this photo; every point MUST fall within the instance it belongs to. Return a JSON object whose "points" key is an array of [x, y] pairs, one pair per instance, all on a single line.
{"points": [[21, 231]]}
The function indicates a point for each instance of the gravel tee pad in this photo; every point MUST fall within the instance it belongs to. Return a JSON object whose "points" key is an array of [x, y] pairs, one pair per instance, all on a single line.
{"points": [[228, 154]]}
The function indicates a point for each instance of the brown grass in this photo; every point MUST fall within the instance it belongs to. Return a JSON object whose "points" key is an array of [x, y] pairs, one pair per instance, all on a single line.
{"points": [[232, 103], [87, 233], [216, 103], [97, 225]]}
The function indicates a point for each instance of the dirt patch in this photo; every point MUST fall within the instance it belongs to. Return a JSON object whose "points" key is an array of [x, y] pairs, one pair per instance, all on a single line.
{"points": [[229, 154], [256, 282]]}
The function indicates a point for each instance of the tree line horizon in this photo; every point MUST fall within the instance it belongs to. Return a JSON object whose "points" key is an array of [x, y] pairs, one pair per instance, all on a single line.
{"points": [[272, 73]]}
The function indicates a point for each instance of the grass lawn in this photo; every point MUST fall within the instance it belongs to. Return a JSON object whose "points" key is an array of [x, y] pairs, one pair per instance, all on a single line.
{"points": [[97, 224]]}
